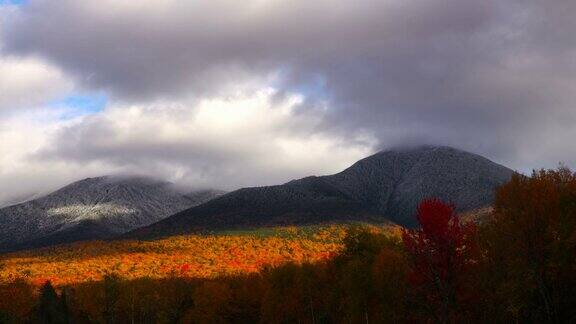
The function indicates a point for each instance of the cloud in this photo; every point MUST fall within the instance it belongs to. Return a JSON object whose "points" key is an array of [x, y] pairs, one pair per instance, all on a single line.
{"points": [[167, 47], [246, 139], [186, 82], [26, 81], [22, 136], [242, 140], [29, 82]]}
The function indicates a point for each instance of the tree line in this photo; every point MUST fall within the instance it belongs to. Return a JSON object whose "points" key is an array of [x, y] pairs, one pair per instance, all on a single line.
{"points": [[516, 265]]}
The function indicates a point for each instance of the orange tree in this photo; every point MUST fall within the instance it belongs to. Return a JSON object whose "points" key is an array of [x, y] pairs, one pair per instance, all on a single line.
{"points": [[530, 244]]}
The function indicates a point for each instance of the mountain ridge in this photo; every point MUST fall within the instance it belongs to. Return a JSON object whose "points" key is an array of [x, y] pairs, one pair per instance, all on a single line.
{"points": [[93, 208], [384, 187]]}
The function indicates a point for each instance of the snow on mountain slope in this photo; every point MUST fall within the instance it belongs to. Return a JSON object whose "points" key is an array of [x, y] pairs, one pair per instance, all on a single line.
{"points": [[93, 208]]}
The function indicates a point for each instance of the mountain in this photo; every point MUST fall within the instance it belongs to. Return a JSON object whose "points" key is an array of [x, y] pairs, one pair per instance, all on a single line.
{"points": [[385, 187], [93, 208], [18, 199]]}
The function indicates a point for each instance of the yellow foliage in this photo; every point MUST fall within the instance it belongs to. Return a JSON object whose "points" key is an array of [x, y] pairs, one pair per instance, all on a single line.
{"points": [[195, 256]]}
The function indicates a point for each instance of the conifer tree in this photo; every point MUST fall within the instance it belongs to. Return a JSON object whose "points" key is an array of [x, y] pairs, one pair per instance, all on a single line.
{"points": [[49, 308]]}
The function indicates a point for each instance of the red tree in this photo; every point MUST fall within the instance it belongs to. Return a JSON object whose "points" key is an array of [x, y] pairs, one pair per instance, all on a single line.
{"points": [[441, 251]]}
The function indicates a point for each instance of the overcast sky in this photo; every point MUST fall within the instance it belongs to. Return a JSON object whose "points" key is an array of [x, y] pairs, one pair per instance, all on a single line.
{"points": [[227, 93]]}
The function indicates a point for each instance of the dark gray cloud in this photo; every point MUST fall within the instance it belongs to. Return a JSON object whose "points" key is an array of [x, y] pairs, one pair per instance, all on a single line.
{"points": [[494, 77]]}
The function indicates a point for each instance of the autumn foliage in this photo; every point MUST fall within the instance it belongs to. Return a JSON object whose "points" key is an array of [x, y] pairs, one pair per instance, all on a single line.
{"points": [[530, 242], [441, 251], [316, 279], [194, 256], [515, 264]]}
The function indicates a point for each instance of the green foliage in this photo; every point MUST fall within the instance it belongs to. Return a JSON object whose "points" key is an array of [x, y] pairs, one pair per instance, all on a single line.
{"points": [[361, 242]]}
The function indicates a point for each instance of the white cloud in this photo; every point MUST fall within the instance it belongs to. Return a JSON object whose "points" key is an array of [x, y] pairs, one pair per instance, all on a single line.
{"points": [[23, 135], [29, 82], [240, 140], [245, 139]]}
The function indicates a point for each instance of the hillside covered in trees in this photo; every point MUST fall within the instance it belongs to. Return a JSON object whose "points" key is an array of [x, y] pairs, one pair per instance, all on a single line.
{"points": [[515, 265], [193, 256], [383, 188]]}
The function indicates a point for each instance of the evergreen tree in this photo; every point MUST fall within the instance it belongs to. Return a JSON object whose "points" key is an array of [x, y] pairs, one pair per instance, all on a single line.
{"points": [[49, 308]]}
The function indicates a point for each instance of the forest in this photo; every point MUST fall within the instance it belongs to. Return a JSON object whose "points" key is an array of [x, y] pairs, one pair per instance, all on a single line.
{"points": [[195, 256], [516, 264]]}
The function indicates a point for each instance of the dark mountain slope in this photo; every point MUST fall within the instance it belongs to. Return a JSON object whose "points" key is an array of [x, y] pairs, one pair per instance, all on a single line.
{"points": [[384, 187], [93, 208]]}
